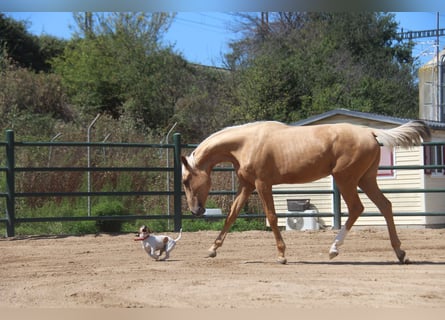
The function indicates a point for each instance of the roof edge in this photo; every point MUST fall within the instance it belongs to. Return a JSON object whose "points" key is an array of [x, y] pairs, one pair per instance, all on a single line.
{"points": [[365, 115]]}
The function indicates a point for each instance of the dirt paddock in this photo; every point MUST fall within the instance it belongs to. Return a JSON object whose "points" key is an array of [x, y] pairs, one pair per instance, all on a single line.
{"points": [[105, 271]]}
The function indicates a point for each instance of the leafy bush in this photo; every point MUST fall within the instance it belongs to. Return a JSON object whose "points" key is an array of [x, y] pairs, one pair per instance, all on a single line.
{"points": [[113, 208]]}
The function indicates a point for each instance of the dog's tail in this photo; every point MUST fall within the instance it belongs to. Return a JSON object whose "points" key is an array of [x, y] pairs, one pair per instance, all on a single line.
{"points": [[180, 234]]}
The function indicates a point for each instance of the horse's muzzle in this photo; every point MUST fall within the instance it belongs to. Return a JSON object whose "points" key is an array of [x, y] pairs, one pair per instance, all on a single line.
{"points": [[199, 212]]}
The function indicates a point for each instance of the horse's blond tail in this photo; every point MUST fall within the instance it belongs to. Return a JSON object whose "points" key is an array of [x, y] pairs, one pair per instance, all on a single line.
{"points": [[407, 135]]}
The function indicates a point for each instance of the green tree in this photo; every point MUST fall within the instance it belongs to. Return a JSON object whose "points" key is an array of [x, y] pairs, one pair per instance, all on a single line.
{"points": [[294, 65], [27, 50], [120, 67], [206, 105]]}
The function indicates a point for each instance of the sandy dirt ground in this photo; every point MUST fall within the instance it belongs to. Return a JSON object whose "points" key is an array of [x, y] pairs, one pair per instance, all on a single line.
{"points": [[103, 271]]}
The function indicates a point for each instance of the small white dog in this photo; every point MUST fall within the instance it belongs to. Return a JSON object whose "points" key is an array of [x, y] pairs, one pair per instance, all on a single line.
{"points": [[152, 243]]}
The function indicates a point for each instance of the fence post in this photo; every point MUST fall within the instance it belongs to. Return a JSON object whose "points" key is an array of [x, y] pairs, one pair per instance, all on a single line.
{"points": [[177, 182], [10, 184], [337, 206]]}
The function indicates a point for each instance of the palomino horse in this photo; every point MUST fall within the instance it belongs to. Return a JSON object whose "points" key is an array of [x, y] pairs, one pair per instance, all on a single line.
{"points": [[269, 153]]}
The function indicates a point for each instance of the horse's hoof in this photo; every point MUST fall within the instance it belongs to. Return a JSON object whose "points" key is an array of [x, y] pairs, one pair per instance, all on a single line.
{"points": [[282, 260], [401, 256], [333, 254], [404, 260], [211, 254]]}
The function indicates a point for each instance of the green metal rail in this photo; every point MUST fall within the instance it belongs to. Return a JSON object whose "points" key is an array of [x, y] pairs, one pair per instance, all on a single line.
{"points": [[11, 194]]}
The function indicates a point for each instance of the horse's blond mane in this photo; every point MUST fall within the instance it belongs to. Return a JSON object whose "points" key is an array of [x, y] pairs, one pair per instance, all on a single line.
{"points": [[192, 159], [240, 126]]}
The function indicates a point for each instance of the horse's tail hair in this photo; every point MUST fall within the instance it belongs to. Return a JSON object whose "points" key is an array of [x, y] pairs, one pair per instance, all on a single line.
{"points": [[407, 135]]}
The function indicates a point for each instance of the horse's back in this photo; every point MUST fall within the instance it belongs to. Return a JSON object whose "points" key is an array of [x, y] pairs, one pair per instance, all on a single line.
{"points": [[286, 154]]}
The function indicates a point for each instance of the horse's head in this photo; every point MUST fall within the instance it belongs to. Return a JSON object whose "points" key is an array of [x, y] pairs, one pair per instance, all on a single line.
{"points": [[196, 185]]}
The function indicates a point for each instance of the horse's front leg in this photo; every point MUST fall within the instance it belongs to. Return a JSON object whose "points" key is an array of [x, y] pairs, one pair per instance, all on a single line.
{"points": [[265, 193], [243, 194]]}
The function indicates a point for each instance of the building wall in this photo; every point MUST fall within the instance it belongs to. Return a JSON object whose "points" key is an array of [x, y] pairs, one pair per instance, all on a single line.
{"points": [[323, 202], [430, 109], [435, 202], [431, 106], [402, 179]]}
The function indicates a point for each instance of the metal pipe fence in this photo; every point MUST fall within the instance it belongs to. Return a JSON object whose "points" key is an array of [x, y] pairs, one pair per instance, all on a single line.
{"points": [[11, 194]]}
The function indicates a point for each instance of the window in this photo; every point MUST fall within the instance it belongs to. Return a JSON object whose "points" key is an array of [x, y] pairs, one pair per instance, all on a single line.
{"points": [[434, 155], [386, 159]]}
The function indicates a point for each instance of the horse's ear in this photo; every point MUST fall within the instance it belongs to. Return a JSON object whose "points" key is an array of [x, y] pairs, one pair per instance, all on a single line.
{"points": [[185, 162]]}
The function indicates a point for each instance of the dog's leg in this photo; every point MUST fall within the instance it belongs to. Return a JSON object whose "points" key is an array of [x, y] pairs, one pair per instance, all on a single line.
{"points": [[148, 251], [161, 251], [169, 247], [164, 248], [153, 254]]}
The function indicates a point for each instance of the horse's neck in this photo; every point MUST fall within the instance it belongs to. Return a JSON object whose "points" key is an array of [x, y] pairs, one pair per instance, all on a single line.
{"points": [[209, 154]]}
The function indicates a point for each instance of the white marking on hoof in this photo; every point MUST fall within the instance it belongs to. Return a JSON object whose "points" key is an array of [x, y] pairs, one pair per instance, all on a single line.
{"points": [[211, 254], [282, 260], [333, 254], [339, 239], [333, 251]]}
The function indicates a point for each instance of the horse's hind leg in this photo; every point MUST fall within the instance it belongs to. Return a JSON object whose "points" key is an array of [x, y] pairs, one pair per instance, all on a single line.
{"points": [[370, 187]]}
